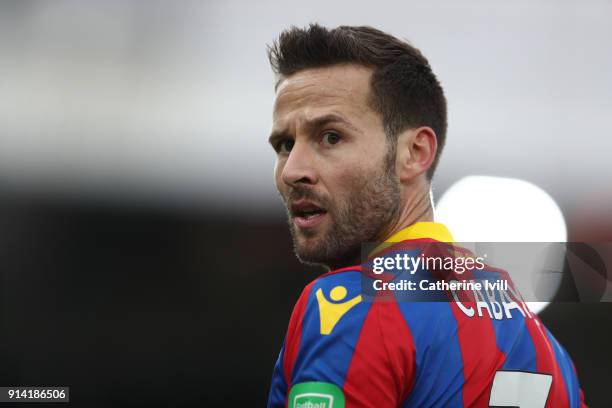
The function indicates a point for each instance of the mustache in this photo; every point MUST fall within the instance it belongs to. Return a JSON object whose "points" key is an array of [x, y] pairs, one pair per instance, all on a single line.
{"points": [[299, 193]]}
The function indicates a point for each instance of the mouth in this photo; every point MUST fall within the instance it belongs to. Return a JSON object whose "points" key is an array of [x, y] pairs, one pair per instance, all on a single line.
{"points": [[306, 214]]}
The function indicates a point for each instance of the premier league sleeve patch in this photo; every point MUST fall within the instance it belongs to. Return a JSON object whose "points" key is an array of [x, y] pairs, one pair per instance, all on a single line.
{"points": [[316, 395]]}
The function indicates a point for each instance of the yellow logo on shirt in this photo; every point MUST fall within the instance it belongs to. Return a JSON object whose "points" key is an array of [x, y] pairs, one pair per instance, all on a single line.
{"points": [[330, 312]]}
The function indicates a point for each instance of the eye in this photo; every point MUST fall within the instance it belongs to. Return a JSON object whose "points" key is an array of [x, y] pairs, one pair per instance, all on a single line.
{"points": [[284, 146], [331, 138]]}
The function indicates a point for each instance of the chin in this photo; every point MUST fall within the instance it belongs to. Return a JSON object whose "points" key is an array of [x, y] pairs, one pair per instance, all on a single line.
{"points": [[319, 254], [311, 250], [310, 255]]}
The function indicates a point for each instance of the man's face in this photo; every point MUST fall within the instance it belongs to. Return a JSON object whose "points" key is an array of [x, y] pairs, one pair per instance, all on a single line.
{"points": [[334, 170]]}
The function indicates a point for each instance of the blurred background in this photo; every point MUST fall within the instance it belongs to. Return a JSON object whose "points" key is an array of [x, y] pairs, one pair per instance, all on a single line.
{"points": [[144, 252]]}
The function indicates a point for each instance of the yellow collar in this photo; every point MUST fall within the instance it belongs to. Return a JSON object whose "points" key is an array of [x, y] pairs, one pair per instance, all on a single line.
{"points": [[418, 230], [421, 230]]}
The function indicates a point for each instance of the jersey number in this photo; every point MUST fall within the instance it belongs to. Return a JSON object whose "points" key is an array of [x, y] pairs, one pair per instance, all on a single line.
{"points": [[520, 389]]}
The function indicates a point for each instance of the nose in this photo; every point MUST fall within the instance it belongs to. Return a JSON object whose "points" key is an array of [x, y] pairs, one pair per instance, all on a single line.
{"points": [[299, 168]]}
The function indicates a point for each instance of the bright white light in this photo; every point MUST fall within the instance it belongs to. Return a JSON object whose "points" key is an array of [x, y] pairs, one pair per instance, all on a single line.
{"points": [[494, 209]]}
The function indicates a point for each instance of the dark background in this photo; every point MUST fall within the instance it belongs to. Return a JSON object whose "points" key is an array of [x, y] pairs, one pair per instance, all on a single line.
{"points": [[133, 306]]}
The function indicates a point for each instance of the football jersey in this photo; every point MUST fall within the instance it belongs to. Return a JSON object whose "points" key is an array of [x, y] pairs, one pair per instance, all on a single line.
{"points": [[342, 349]]}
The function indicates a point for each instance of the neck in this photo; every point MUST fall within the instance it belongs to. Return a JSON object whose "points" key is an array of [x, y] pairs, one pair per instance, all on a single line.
{"points": [[417, 208]]}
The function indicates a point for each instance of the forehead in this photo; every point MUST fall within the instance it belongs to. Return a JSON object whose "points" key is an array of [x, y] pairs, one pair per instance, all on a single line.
{"points": [[343, 88]]}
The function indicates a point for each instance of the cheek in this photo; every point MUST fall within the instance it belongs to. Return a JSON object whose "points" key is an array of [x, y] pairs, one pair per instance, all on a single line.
{"points": [[278, 171], [350, 178], [354, 187], [346, 184]]}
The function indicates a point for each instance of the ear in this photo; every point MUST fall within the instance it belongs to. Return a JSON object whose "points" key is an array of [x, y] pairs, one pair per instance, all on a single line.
{"points": [[416, 151]]}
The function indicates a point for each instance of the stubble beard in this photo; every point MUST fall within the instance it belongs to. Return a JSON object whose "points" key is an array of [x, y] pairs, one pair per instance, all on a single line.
{"points": [[371, 206]]}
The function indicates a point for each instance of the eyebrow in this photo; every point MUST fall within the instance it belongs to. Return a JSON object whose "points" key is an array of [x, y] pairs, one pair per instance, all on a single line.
{"points": [[315, 123]]}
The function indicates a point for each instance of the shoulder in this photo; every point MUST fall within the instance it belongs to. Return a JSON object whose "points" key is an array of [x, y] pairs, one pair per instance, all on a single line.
{"points": [[328, 298], [342, 337]]}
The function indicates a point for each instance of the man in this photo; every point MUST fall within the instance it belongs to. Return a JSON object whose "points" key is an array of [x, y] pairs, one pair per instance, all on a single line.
{"points": [[359, 122]]}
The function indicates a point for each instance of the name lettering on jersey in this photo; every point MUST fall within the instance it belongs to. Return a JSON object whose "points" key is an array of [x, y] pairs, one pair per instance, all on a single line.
{"points": [[496, 307], [330, 312]]}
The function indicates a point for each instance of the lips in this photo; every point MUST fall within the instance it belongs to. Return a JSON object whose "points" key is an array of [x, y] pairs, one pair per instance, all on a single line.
{"points": [[307, 214]]}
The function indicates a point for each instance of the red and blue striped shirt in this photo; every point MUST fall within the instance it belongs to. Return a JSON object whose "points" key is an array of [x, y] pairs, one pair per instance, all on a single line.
{"points": [[342, 350]]}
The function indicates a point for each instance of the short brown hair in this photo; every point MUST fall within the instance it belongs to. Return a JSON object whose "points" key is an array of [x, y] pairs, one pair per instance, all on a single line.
{"points": [[405, 91]]}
